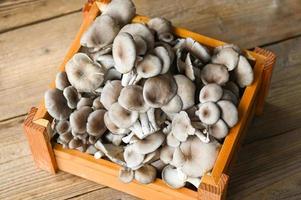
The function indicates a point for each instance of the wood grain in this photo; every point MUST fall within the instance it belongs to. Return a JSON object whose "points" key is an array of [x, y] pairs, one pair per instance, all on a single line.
{"points": [[18, 13]]}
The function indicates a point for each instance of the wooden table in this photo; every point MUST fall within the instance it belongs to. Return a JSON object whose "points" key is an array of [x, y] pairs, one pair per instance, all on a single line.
{"points": [[35, 35]]}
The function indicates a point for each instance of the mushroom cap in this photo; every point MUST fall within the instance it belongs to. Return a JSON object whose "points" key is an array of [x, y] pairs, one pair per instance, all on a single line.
{"points": [[106, 60], [75, 143], [150, 66], [233, 46], [66, 137], [84, 101], [229, 112], [243, 72], [61, 80], [175, 105], [227, 57], [195, 48], [211, 92], [84, 74], [126, 175], [178, 158], [62, 126], [214, 73], [121, 10], [233, 87], [112, 127], [101, 33], [166, 154], [114, 153], [121, 117], [219, 130], [78, 119], [132, 157], [131, 98], [200, 156], [186, 90], [181, 126], [167, 37], [230, 96], [189, 68], [56, 104], [142, 30], [150, 143], [95, 123], [163, 54], [110, 93], [171, 140], [160, 25], [124, 52], [159, 90], [208, 113], [171, 178], [112, 74], [72, 96], [141, 44], [96, 105], [146, 174]]}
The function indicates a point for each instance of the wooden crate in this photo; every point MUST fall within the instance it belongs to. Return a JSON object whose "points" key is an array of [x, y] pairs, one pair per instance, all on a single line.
{"points": [[213, 186]]}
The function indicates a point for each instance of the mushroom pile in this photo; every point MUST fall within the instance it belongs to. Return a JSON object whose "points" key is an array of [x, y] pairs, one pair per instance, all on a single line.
{"points": [[157, 105]]}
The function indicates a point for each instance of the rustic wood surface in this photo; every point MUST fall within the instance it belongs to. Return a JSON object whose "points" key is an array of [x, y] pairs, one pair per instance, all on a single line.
{"points": [[35, 35]]}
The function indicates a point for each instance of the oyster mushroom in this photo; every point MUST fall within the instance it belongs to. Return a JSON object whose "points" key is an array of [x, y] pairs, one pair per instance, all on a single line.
{"points": [[62, 126], [114, 153], [132, 157], [72, 96], [159, 90], [186, 90], [243, 72], [110, 93], [181, 126], [112, 127], [214, 73], [227, 57], [141, 45], [219, 130], [95, 123], [97, 105], [61, 80], [106, 60], [163, 54], [229, 112], [121, 10], [208, 113], [233, 87], [114, 138], [211, 92], [126, 175], [78, 119], [121, 117], [150, 143], [124, 52], [131, 98], [166, 154], [150, 66], [84, 74], [146, 174], [160, 25], [230, 96], [66, 137], [84, 101], [56, 104], [101, 33], [175, 105], [75, 143], [172, 141]]}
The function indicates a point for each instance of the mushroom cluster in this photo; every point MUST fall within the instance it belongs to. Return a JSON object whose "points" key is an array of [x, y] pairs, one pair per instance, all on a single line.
{"points": [[155, 104]]}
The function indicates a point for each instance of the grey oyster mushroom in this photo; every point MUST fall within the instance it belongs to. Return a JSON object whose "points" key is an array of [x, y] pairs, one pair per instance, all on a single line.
{"points": [[95, 123], [126, 175], [97, 105], [146, 174], [112, 74], [112, 152], [214, 73], [56, 104], [149, 66], [101, 33], [84, 74], [62, 126], [124, 52], [141, 45], [219, 130], [72, 96], [110, 93], [84, 101], [61, 80], [132, 157], [113, 138], [229, 112], [230, 96], [121, 10], [112, 127], [162, 27], [165, 57], [208, 113], [233, 87], [186, 90], [175, 105], [227, 57], [210, 92], [159, 90], [149, 144], [106, 60], [78, 119], [243, 72]]}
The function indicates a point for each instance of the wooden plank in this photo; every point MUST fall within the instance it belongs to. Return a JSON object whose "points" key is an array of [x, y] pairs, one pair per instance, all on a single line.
{"points": [[268, 169], [282, 111], [246, 23], [18, 13], [26, 72]]}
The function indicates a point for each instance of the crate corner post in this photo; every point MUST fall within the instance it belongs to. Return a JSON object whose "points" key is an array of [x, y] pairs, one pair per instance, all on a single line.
{"points": [[39, 143], [210, 190]]}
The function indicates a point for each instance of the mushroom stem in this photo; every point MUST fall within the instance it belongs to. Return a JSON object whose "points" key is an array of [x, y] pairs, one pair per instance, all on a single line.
{"points": [[152, 119], [201, 135], [128, 138], [130, 78]]}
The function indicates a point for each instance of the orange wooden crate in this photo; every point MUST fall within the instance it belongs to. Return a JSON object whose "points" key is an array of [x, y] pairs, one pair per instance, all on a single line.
{"points": [[213, 186]]}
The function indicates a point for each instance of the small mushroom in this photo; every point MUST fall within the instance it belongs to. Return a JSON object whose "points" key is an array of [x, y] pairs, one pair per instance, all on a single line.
{"points": [[233, 46], [56, 104], [101, 33], [163, 54], [167, 37], [170, 177], [208, 113], [72, 96], [172, 141], [210, 92], [160, 25], [219, 130], [95, 123], [66, 137], [110, 93], [114, 138], [91, 149], [141, 45], [159, 90], [150, 143], [233, 87], [98, 155], [84, 74], [227, 57], [131, 98], [186, 90], [196, 49], [175, 105], [97, 105], [230, 96], [61, 80], [178, 158], [121, 10], [132, 157], [62, 126], [166, 154], [106, 60], [112, 127], [75, 143], [181, 126], [243, 72], [112, 74], [229, 112], [214, 73], [146, 174], [121, 117], [84, 101], [150, 66], [126, 175], [78, 119], [124, 52], [114, 153]]}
